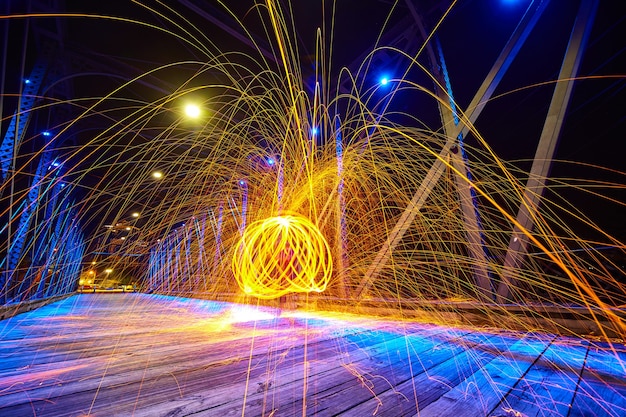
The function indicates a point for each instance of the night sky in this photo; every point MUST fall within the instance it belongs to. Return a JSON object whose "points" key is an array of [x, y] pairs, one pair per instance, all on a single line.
{"points": [[471, 37]]}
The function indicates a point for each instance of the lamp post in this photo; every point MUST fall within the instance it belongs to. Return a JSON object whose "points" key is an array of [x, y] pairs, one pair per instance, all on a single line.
{"points": [[244, 204]]}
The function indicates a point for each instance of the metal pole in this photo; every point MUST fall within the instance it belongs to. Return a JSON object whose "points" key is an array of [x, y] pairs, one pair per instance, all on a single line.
{"points": [[484, 93], [545, 150]]}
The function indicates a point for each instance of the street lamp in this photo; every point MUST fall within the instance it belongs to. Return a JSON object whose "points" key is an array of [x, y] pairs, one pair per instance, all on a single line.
{"points": [[192, 110]]}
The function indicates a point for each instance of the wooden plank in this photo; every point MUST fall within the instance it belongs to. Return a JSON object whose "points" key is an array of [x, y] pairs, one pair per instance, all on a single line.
{"points": [[602, 390], [85, 385], [548, 387], [432, 378], [481, 392], [96, 369], [141, 355], [278, 389], [221, 361], [121, 354], [341, 387]]}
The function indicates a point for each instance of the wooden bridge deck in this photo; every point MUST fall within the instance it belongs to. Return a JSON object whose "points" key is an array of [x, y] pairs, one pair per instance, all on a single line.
{"points": [[146, 355]]}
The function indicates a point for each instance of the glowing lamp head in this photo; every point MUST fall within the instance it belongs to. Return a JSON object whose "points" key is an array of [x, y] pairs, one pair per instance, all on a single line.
{"points": [[46, 133], [271, 161], [384, 80], [192, 110], [242, 183], [158, 175], [314, 131]]}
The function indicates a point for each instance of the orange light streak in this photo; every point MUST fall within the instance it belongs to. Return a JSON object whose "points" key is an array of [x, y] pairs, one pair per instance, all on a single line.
{"points": [[281, 255]]}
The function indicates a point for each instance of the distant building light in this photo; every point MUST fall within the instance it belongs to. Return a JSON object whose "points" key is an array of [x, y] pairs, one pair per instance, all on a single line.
{"points": [[26, 81]]}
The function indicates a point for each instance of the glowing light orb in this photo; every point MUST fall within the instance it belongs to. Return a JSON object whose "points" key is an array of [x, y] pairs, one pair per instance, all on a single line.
{"points": [[193, 111], [281, 255]]}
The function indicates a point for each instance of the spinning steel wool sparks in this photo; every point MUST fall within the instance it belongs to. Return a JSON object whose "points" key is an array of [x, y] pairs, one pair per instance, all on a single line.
{"points": [[392, 160], [392, 187], [281, 255]]}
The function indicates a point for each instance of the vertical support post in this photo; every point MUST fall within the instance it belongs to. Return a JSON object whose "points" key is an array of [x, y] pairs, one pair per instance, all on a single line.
{"points": [[545, 150], [218, 238], [482, 96], [177, 271], [244, 205], [56, 238], [42, 236], [58, 251], [467, 196], [8, 151], [19, 121], [341, 238], [187, 271], [151, 271], [281, 183], [200, 266], [23, 232]]}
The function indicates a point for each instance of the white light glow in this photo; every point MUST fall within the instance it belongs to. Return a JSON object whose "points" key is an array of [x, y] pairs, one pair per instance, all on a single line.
{"points": [[191, 110]]}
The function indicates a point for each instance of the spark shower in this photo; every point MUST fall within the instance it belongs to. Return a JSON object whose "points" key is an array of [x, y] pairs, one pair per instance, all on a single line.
{"points": [[383, 205]]}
